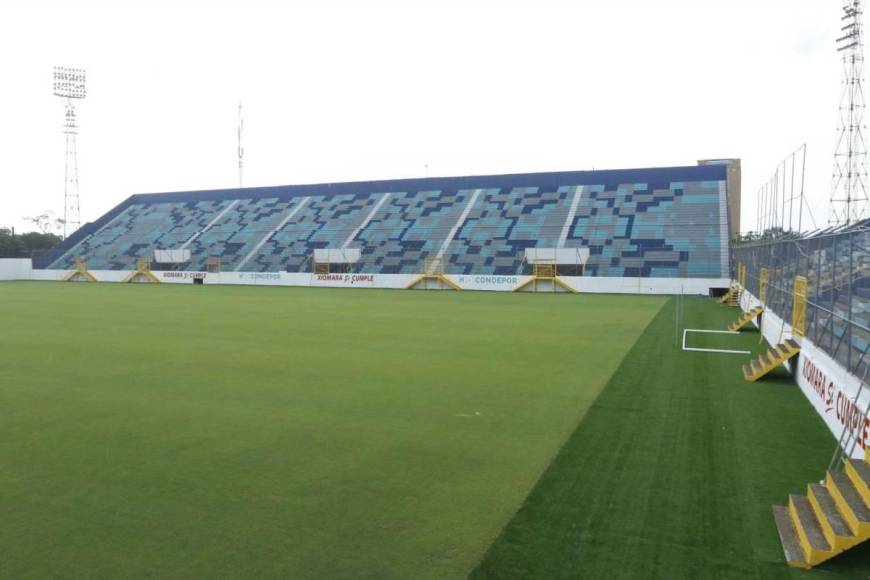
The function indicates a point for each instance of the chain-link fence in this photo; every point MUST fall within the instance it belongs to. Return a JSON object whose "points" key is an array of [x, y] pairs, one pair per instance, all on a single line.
{"points": [[836, 265]]}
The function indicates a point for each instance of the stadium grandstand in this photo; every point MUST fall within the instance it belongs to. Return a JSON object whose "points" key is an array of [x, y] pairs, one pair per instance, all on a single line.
{"points": [[672, 222]]}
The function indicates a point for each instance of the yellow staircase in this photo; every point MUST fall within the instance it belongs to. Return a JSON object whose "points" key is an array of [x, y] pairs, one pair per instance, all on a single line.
{"points": [[745, 318], [80, 273], [433, 271], [770, 360], [732, 297], [830, 519], [142, 273], [545, 275]]}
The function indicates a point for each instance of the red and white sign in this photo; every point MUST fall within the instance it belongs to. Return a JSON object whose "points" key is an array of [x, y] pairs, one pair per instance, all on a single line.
{"points": [[175, 276]]}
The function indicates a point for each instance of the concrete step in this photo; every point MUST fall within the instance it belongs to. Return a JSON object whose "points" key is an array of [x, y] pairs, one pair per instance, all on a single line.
{"points": [[855, 512], [815, 546], [859, 473], [836, 531], [791, 546]]}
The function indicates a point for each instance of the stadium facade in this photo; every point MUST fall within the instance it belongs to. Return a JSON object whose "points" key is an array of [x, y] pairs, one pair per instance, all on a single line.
{"points": [[658, 223]]}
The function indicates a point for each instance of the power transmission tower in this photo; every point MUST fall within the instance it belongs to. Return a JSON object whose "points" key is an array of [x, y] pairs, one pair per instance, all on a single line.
{"points": [[849, 185]]}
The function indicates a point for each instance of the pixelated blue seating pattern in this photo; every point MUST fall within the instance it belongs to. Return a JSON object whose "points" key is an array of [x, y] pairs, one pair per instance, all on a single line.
{"points": [[640, 229], [237, 232], [408, 228], [324, 222], [656, 227], [502, 225], [141, 229]]}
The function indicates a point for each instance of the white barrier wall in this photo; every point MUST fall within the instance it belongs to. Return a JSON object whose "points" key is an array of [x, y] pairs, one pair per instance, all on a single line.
{"points": [[826, 384], [466, 282], [15, 268]]}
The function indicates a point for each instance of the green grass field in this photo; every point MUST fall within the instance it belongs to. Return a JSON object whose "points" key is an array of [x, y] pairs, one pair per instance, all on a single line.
{"points": [[672, 472], [218, 432], [240, 432]]}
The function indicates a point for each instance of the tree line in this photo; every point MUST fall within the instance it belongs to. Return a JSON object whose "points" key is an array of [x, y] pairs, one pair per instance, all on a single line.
{"points": [[28, 245]]}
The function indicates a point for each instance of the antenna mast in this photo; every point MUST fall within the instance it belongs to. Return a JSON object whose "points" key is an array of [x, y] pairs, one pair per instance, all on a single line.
{"points": [[240, 148], [69, 84], [849, 183]]}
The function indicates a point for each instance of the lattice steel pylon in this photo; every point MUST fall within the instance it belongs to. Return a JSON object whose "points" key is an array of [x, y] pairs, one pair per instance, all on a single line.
{"points": [[69, 84], [849, 181]]}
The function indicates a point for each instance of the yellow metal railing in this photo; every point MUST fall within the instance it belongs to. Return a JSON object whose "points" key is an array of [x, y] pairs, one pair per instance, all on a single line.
{"points": [[545, 270], [433, 266], [799, 306]]}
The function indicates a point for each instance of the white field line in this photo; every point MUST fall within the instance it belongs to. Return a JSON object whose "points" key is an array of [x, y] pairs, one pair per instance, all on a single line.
{"points": [[705, 331]]}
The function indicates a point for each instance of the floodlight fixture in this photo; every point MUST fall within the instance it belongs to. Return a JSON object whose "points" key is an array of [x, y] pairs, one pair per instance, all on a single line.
{"points": [[69, 83]]}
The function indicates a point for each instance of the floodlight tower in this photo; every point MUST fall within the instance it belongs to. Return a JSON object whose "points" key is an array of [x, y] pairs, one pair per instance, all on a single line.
{"points": [[239, 148], [69, 84], [849, 182]]}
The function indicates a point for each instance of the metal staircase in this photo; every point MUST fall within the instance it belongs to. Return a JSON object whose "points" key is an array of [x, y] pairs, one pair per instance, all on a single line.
{"points": [[771, 359], [80, 273], [142, 273], [545, 278], [833, 517], [433, 277], [745, 318], [731, 297]]}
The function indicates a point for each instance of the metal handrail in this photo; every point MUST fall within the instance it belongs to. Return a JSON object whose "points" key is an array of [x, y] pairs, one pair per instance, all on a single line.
{"points": [[817, 306]]}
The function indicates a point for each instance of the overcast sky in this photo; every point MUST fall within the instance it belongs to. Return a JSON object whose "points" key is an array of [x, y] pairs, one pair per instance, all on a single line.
{"points": [[339, 91]]}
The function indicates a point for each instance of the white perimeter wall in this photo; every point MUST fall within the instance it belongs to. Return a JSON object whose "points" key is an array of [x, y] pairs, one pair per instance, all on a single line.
{"points": [[826, 384], [15, 269], [467, 282]]}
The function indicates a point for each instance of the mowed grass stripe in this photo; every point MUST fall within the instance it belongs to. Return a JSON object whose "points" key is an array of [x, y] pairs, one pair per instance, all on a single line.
{"points": [[180, 431], [672, 472]]}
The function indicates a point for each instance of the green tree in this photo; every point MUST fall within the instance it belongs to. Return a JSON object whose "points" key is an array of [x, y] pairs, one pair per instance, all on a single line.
{"points": [[26, 245]]}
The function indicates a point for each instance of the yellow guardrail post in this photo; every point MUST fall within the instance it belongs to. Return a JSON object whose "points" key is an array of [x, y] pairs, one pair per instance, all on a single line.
{"points": [[799, 306]]}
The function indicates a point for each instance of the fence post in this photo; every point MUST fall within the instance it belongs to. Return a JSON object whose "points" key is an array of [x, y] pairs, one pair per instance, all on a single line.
{"points": [[833, 290], [851, 274], [818, 284], [799, 306]]}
